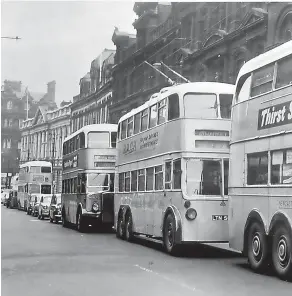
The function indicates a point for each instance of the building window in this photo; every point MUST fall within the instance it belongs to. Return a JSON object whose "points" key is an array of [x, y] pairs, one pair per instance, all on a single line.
{"points": [[10, 123], [9, 105], [257, 168], [5, 122], [8, 145]]}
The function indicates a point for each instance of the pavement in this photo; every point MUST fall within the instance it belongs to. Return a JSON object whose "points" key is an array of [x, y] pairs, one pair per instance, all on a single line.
{"points": [[40, 258]]}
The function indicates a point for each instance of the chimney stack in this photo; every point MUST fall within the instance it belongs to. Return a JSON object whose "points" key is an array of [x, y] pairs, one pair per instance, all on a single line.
{"points": [[51, 90]]}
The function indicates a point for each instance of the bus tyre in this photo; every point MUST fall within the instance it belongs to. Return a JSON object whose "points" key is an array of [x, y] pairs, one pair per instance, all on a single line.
{"points": [[79, 221], [64, 221], [169, 243], [120, 227], [282, 253], [129, 228], [257, 247]]}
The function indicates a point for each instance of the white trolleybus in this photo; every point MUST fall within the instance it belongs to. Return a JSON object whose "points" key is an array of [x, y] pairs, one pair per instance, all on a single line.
{"points": [[260, 177], [89, 157], [35, 179], [172, 166]]}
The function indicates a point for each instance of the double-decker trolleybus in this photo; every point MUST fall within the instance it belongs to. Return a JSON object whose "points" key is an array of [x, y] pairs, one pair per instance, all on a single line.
{"points": [[35, 178], [172, 166], [260, 177], [89, 157]]}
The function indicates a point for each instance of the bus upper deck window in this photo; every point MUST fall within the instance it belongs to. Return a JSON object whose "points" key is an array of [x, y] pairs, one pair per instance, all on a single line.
{"points": [[262, 80], [153, 116], [144, 120], [173, 107], [130, 127], [243, 88], [137, 123], [225, 105], [82, 140], [124, 129], [200, 105], [284, 72], [113, 139]]}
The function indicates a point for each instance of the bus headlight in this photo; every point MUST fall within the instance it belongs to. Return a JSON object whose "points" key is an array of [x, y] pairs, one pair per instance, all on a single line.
{"points": [[191, 214], [95, 207]]}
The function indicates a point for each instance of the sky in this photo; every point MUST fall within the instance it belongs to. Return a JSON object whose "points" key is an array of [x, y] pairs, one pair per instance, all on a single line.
{"points": [[58, 40]]}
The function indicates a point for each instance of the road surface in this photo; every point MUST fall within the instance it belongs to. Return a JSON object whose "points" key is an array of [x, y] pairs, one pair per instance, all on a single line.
{"points": [[40, 258]]}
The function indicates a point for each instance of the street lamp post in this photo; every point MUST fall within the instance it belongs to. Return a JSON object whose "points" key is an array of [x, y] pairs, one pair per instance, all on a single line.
{"points": [[52, 153]]}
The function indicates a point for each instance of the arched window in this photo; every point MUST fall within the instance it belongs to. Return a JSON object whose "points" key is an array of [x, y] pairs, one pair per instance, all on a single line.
{"points": [[285, 28]]}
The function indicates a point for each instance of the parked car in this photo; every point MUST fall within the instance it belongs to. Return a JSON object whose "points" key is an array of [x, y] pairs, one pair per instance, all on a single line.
{"points": [[30, 203], [35, 206], [4, 195], [12, 199], [43, 209], [55, 209]]}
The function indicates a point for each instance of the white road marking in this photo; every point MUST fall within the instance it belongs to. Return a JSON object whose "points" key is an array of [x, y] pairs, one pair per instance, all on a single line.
{"points": [[35, 220], [183, 285]]}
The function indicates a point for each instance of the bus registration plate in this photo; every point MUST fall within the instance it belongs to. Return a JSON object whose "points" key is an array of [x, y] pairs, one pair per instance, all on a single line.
{"points": [[219, 217]]}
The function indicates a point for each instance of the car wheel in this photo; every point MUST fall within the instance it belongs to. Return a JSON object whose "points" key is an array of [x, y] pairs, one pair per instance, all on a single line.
{"points": [[282, 253], [257, 247]]}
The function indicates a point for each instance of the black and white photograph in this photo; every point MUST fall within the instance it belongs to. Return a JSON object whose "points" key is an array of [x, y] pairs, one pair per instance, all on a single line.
{"points": [[146, 148]]}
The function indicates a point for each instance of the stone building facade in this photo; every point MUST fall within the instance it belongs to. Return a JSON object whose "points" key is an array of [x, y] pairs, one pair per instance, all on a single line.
{"points": [[42, 139], [92, 104], [18, 103], [201, 41]]}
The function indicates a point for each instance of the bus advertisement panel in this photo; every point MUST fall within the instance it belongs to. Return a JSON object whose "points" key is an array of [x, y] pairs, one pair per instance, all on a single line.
{"points": [[35, 178], [260, 177], [89, 157], [172, 166]]}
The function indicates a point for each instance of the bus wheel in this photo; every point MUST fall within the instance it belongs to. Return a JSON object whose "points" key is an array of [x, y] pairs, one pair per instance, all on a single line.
{"points": [[120, 228], [170, 245], [129, 228], [257, 247], [64, 221], [79, 221], [282, 253]]}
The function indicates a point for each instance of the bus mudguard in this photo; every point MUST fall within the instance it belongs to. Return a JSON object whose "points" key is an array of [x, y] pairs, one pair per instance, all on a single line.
{"points": [[178, 227], [254, 215], [280, 217]]}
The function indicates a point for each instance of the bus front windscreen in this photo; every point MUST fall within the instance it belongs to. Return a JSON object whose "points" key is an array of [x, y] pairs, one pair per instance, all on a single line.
{"points": [[204, 177], [100, 182], [200, 105]]}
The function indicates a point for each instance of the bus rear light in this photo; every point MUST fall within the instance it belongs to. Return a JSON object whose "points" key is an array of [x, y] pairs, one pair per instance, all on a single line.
{"points": [[187, 204], [191, 214]]}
